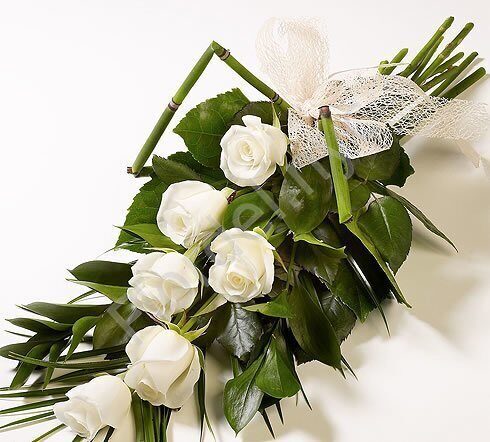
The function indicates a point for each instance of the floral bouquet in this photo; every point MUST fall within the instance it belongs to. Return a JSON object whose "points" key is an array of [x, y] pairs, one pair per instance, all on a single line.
{"points": [[271, 236]]}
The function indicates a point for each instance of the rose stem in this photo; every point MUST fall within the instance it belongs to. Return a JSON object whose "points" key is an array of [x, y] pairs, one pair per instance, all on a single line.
{"points": [[437, 79], [465, 84], [446, 52], [339, 180], [449, 63], [396, 59], [185, 88], [426, 60], [412, 67], [457, 71]]}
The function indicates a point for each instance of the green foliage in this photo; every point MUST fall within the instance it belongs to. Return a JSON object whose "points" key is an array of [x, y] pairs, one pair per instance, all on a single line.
{"points": [[65, 313], [170, 171], [388, 225], [242, 331], [250, 210], [340, 316], [305, 196], [310, 326], [379, 166], [203, 127], [242, 398], [278, 308], [277, 376], [262, 109], [152, 235]]}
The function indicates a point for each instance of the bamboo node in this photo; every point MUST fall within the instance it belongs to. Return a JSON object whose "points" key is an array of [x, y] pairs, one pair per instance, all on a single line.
{"points": [[173, 106]]}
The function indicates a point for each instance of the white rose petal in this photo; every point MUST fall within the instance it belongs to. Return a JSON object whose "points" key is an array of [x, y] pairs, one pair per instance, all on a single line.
{"points": [[250, 153], [189, 211], [163, 284], [104, 401], [243, 267], [164, 366]]}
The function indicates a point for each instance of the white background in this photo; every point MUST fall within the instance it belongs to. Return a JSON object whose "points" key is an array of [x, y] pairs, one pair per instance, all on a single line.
{"points": [[81, 85]]}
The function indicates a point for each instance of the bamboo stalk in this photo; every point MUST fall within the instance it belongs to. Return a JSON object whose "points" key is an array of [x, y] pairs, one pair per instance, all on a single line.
{"points": [[449, 63], [465, 84], [457, 71], [412, 67], [396, 59], [182, 92], [437, 79], [339, 179], [447, 51], [426, 61]]}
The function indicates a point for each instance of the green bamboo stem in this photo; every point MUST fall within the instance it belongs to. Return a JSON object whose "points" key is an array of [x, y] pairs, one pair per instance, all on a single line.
{"points": [[465, 84], [449, 63], [396, 59], [457, 71], [412, 67], [426, 61], [437, 79], [448, 50], [191, 79], [339, 179]]}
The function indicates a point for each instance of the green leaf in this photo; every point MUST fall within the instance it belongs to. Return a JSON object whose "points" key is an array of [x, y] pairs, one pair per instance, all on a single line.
{"points": [[310, 326], [80, 329], [242, 331], [32, 406], [242, 398], [104, 272], [114, 293], [171, 172], [340, 316], [203, 127], [118, 324], [379, 166], [262, 109], [389, 227], [305, 196], [54, 354], [359, 195], [49, 433], [276, 377], [250, 210], [144, 208], [24, 370], [335, 252], [382, 190], [351, 291], [403, 171], [39, 325], [31, 419], [152, 235], [96, 365], [65, 313], [278, 308]]}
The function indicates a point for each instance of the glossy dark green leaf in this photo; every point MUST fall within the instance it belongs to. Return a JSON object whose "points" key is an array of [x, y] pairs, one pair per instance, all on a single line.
{"points": [[402, 171], [104, 272], [340, 316], [310, 326], [80, 329], [144, 208], [65, 313], [380, 166], [54, 355], [152, 235], [278, 308], [389, 227], [305, 197], [242, 398], [170, 171], [359, 195], [39, 325], [262, 109], [203, 127], [118, 324], [242, 331], [250, 210], [276, 377], [114, 293], [351, 291], [382, 190]]}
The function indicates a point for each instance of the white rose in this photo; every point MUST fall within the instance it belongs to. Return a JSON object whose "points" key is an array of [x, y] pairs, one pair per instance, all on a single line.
{"points": [[104, 401], [164, 366], [243, 267], [190, 210], [163, 284], [249, 154]]}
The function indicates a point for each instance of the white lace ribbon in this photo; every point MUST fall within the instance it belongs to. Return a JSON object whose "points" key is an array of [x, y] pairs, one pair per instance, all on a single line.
{"points": [[366, 107]]}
